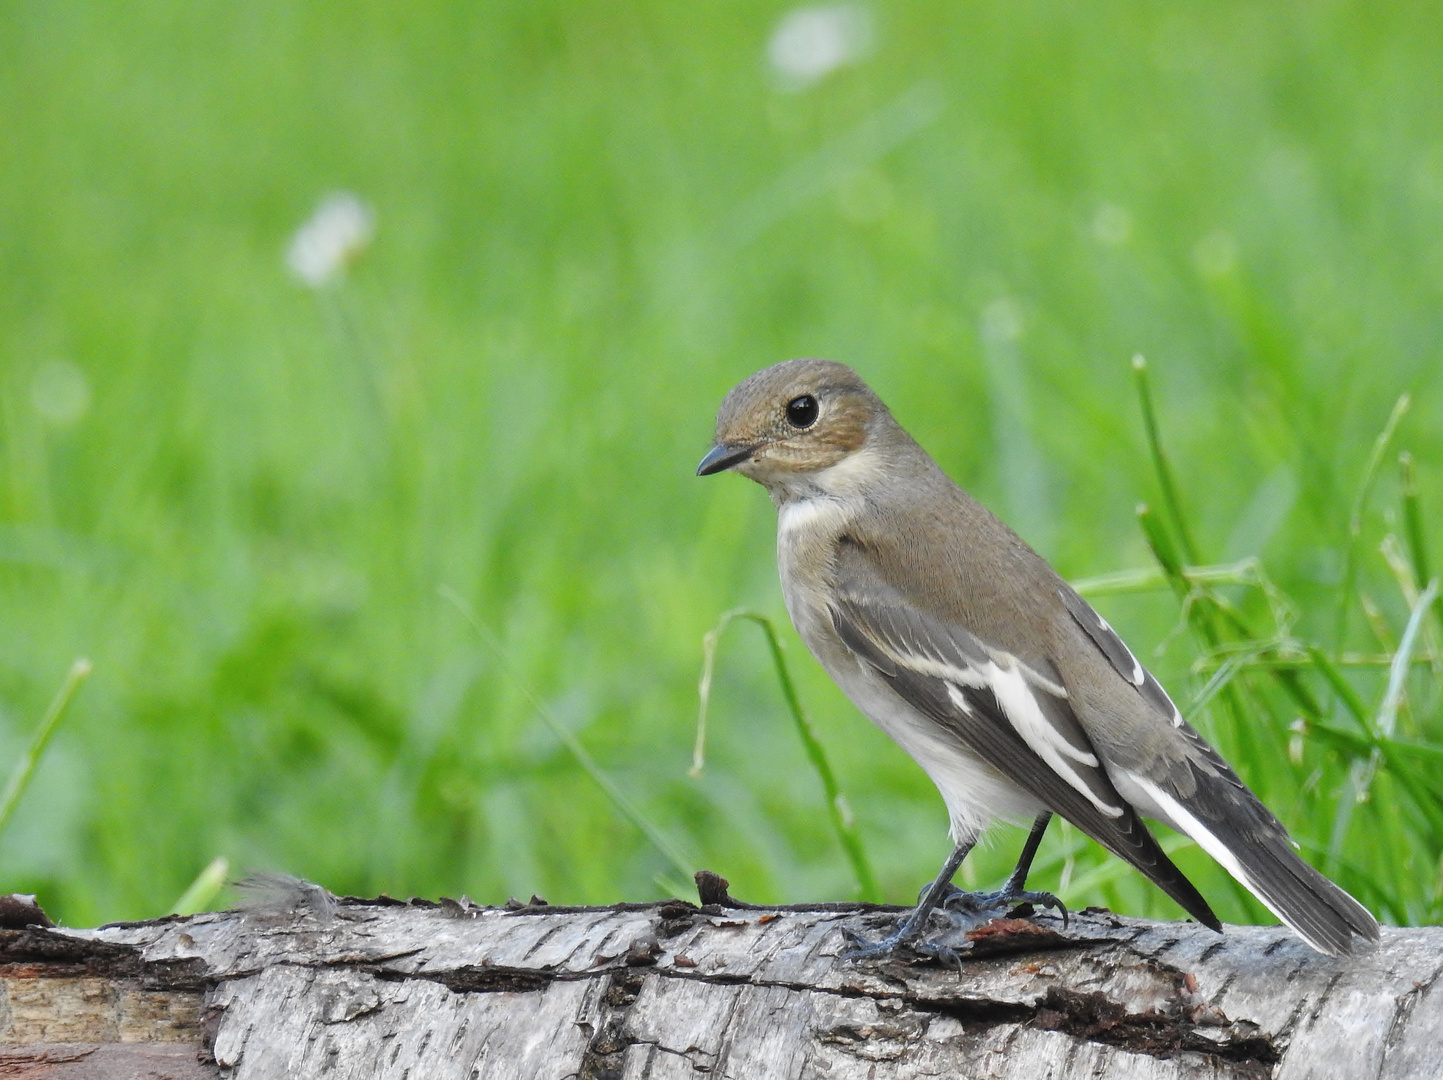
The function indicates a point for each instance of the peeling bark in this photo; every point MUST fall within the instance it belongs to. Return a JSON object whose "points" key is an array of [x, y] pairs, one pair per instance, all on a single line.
{"points": [[439, 991]]}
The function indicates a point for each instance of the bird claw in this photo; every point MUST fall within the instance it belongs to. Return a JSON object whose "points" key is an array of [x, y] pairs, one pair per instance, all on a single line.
{"points": [[867, 949], [982, 908], [943, 954], [965, 911]]}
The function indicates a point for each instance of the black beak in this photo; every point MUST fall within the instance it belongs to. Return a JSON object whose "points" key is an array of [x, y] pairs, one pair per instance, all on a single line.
{"points": [[723, 457]]}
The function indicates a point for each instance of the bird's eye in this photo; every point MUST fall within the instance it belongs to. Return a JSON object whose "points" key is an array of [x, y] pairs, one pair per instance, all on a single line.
{"points": [[802, 411]]}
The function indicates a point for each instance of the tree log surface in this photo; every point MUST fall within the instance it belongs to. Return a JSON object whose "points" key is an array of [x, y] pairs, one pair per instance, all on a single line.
{"points": [[669, 991]]}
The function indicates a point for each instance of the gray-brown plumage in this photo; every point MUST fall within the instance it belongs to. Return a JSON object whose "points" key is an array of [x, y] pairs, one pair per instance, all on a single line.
{"points": [[960, 642]]}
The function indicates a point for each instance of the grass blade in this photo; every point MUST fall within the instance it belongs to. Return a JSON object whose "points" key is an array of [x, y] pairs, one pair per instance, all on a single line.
{"points": [[1413, 517], [838, 808], [25, 767], [1398, 674], [1221, 679], [1163, 550], [1170, 499], [1418, 550], [703, 692], [1205, 608], [1381, 730], [1355, 517], [199, 894], [1121, 582], [1341, 686], [1423, 792], [568, 739]]}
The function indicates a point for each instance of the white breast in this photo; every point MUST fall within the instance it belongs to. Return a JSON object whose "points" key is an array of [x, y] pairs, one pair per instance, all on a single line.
{"points": [[817, 517]]}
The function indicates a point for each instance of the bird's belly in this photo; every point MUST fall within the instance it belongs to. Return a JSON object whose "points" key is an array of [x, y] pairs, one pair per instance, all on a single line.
{"points": [[975, 793]]}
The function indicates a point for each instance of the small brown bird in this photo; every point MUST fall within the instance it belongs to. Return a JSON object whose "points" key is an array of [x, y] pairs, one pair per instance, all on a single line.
{"points": [[962, 644]]}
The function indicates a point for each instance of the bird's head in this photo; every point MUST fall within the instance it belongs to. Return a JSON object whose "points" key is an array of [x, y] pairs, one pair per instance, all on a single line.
{"points": [[788, 424]]}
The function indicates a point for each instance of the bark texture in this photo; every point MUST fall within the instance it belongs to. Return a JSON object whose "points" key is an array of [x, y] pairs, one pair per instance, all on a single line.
{"points": [[423, 991]]}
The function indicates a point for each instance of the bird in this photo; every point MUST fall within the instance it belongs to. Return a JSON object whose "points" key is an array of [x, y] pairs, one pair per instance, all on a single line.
{"points": [[962, 644]]}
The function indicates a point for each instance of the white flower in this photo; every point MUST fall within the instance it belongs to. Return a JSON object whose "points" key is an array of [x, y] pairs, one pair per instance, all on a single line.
{"points": [[331, 239], [811, 42]]}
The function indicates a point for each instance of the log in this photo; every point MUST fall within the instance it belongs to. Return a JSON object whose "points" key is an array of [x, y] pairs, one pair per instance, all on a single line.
{"points": [[317, 987]]}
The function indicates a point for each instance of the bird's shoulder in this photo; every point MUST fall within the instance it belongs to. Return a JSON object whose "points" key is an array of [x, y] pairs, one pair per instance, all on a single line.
{"points": [[933, 548]]}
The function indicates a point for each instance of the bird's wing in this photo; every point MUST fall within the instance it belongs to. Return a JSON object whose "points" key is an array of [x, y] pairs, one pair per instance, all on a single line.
{"points": [[1012, 714], [1201, 758], [1120, 656], [1203, 765]]}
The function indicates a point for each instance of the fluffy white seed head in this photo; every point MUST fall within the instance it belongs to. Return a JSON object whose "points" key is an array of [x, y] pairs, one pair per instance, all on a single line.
{"points": [[330, 239], [809, 43]]}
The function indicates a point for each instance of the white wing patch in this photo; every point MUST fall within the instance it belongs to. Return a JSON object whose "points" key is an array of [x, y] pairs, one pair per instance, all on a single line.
{"points": [[1019, 705], [980, 677], [960, 700], [1007, 661], [1010, 686]]}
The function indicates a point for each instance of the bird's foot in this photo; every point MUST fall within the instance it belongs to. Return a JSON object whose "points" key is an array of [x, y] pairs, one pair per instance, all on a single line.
{"points": [[871, 950], [945, 944], [959, 912], [943, 953], [974, 909]]}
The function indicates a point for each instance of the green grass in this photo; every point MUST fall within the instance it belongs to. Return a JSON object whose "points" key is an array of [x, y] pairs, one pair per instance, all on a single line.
{"points": [[592, 219]]}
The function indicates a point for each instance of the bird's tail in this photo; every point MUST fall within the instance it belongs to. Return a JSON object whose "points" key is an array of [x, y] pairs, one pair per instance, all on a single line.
{"points": [[1254, 848], [1321, 913]]}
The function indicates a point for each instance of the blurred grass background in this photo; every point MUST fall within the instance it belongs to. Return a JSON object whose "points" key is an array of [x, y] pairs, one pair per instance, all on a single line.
{"points": [[241, 497]]}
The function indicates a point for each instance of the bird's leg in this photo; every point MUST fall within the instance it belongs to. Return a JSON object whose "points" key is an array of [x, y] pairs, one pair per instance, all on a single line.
{"points": [[916, 921], [979, 908], [966, 910]]}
